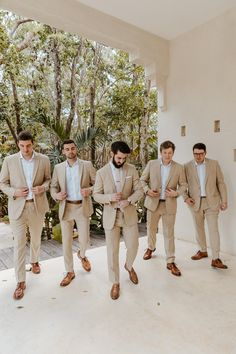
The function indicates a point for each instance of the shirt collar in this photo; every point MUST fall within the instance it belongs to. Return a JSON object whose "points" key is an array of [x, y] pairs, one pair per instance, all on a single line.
{"points": [[22, 157], [200, 164], [169, 164], [114, 168], [74, 164]]}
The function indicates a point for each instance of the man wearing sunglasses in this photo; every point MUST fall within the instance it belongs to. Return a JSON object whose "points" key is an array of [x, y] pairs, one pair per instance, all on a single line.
{"points": [[206, 196]]}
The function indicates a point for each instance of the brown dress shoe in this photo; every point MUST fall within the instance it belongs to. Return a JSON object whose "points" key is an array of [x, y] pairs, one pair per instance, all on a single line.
{"points": [[115, 291], [19, 291], [217, 263], [68, 279], [85, 262], [132, 275], [35, 268], [148, 254], [199, 255], [173, 268]]}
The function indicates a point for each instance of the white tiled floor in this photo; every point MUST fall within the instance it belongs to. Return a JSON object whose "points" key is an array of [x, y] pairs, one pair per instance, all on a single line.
{"points": [[163, 314]]}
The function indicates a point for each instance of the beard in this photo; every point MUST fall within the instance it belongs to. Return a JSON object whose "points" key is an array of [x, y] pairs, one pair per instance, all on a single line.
{"points": [[116, 165]]}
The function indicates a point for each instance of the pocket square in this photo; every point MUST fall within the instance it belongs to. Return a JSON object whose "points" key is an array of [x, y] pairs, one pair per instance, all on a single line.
{"points": [[128, 177]]}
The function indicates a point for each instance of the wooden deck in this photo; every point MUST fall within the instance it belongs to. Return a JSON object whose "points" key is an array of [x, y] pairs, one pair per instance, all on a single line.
{"points": [[53, 249]]}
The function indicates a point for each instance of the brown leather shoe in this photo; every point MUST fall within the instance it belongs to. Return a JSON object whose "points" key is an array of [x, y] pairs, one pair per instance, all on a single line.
{"points": [[148, 254], [115, 291], [132, 275], [19, 291], [174, 269], [68, 279], [217, 263], [199, 255], [85, 262], [35, 268]]}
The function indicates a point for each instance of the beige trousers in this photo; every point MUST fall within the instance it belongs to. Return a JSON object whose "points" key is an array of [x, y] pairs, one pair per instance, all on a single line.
{"points": [[130, 234], [74, 213], [212, 223], [34, 221], [168, 222]]}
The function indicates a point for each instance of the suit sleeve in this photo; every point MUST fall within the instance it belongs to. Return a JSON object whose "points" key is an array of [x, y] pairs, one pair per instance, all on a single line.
{"points": [[137, 188], [98, 191], [92, 176], [54, 187], [145, 178], [221, 184], [5, 180], [182, 183]]}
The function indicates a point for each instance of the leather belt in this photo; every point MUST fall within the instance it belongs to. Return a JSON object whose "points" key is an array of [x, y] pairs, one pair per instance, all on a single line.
{"points": [[118, 209], [203, 197], [29, 201], [162, 200], [74, 201]]}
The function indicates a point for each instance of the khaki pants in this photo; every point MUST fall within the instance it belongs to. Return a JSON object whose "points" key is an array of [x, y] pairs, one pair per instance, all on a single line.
{"points": [[74, 213], [34, 221], [130, 234], [212, 223], [168, 222]]}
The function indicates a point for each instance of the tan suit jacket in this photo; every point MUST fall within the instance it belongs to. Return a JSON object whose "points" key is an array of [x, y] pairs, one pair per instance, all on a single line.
{"points": [[12, 177], [87, 175], [151, 179], [131, 189], [214, 183]]}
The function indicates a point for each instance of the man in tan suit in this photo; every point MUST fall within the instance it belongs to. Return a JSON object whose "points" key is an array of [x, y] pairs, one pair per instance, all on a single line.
{"points": [[25, 178], [118, 187], [72, 185], [163, 180], [206, 196]]}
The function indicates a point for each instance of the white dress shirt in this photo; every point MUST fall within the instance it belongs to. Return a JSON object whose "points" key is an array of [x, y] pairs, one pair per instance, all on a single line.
{"points": [[201, 171], [165, 170], [117, 174], [73, 182], [28, 169]]}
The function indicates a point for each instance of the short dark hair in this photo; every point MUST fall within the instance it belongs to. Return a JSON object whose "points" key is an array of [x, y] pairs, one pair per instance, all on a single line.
{"points": [[120, 146], [199, 146], [166, 145], [25, 135], [67, 141]]}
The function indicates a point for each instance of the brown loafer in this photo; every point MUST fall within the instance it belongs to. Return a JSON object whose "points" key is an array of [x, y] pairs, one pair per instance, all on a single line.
{"points": [[132, 275], [199, 255], [148, 254], [217, 263], [68, 279], [19, 291], [115, 291], [174, 269], [85, 262], [35, 268]]}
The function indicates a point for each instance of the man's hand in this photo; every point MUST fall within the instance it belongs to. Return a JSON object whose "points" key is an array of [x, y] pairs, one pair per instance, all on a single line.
{"points": [[190, 201], [86, 192], [153, 193], [38, 190], [116, 197], [223, 206], [21, 192], [61, 196], [171, 193]]}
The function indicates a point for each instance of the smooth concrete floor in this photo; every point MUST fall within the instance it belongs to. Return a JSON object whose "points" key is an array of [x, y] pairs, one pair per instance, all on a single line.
{"points": [[163, 314]]}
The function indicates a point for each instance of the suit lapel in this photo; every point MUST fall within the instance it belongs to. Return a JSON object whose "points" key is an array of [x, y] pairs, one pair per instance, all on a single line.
{"points": [[63, 175], [36, 165], [194, 167], [207, 170], [20, 169], [172, 168], [81, 168], [111, 177], [124, 174]]}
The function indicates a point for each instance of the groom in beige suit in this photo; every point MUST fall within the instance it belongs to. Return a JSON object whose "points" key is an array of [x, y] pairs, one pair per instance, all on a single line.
{"points": [[163, 180], [72, 185], [25, 178], [118, 188], [206, 196]]}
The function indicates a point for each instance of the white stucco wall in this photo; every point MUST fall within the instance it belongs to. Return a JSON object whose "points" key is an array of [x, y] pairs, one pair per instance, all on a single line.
{"points": [[201, 88]]}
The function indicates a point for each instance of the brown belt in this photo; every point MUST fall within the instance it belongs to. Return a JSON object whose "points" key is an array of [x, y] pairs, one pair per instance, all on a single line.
{"points": [[29, 200], [162, 200], [74, 201]]}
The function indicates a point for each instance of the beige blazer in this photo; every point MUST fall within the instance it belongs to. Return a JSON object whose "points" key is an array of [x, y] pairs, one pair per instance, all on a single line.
{"points": [[131, 189], [151, 179], [214, 183], [12, 177], [87, 175]]}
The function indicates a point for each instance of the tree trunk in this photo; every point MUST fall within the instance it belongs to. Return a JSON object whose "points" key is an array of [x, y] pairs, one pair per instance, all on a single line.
{"points": [[16, 104], [144, 127], [57, 77]]}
